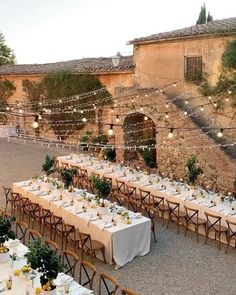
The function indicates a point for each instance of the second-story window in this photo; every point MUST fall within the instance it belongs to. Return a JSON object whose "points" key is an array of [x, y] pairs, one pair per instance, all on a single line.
{"points": [[193, 69]]}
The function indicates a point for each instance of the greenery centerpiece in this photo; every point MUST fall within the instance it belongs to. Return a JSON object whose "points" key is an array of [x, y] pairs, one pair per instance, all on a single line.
{"points": [[43, 259], [110, 154], [67, 177], [193, 170], [5, 234], [101, 186], [48, 165]]}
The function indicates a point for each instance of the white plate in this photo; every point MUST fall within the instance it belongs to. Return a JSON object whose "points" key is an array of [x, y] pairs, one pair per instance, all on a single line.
{"points": [[108, 225]]}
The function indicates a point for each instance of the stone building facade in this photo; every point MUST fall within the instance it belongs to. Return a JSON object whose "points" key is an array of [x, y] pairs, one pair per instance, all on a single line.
{"points": [[161, 60]]}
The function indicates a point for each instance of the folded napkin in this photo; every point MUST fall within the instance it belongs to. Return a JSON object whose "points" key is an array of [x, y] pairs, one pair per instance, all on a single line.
{"points": [[136, 215], [12, 243], [219, 208], [24, 184], [32, 190], [63, 279]]}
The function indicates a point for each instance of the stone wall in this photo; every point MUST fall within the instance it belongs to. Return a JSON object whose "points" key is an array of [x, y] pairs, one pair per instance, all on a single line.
{"points": [[172, 154]]}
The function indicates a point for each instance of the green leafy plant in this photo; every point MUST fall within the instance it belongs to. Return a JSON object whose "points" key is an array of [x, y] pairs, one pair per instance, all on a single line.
{"points": [[43, 259], [5, 230], [149, 158], [67, 176], [110, 154], [101, 138], [101, 186], [48, 165], [229, 55], [7, 56], [193, 170]]}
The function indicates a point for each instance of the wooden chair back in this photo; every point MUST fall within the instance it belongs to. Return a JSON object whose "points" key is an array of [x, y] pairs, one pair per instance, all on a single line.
{"points": [[87, 274], [69, 261], [53, 245], [128, 292], [21, 230], [107, 284]]}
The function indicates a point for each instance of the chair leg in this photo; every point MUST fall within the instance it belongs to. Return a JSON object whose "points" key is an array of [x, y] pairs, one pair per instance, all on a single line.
{"points": [[197, 226], [207, 233], [169, 219], [219, 240], [103, 254], [178, 225], [186, 228]]}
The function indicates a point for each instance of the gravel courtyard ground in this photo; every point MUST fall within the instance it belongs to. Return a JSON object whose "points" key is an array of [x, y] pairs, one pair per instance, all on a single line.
{"points": [[176, 265]]}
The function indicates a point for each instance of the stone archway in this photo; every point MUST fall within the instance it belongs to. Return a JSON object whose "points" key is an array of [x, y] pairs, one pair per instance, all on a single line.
{"points": [[139, 130]]}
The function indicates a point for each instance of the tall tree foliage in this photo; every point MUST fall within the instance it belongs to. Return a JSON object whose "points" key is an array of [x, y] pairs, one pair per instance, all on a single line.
{"points": [[7, 56], [51, 93], [203, 16]]}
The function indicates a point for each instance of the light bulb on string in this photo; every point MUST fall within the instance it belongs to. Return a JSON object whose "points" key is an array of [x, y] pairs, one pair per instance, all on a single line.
{"points": [[110, 130], [112, 110], [230, 92], [215, 104], [227, 99], [185, 113], [117, 119], [209, 97], [170, 134], [40, 116], [186, 101], [20, 111], [174, 84], [202, 108], [145, 118], [167, 115], [141, 109], [60, 100], [81, 111], [167, 105], [84, 120], [146, 95], [74, 109], [220, 133], [35, 124], [7, 108]]}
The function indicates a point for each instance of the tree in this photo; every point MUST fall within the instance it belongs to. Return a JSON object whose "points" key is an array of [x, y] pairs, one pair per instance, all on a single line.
{"points": [[7, 56], [202, 15], [209, 17]]}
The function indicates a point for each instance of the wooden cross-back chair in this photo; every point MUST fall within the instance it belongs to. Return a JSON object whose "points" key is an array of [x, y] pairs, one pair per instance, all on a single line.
{"points": [[108, 284], [87, 274], [69, 261]]}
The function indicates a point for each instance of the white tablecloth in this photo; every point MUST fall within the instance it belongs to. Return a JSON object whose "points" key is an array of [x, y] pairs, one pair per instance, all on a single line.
{"points": [[6, 131], [19, 283], [170, 190], [122, 242]]}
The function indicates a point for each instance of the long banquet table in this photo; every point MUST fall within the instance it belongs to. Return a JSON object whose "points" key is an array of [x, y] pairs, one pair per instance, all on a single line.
{"points": [[20, 285], [195, 198], [122, 242]]}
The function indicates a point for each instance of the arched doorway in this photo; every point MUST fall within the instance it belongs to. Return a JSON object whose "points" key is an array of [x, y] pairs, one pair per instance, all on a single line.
{"points": [[140, 139]]}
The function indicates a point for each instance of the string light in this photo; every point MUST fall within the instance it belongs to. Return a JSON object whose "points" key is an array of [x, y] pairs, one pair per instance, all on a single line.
{"points": [[117, 119], [110, 130], [170, 134], [141, 109], [186, 102], [220, 132], [185, 113], [20, 111], [167, 115], [7, 108], [145, 118], [215, 104], [202, 108], [35, 124], [230, 92], [209, 97], [167, 105], [84, 120], [81, 111]]}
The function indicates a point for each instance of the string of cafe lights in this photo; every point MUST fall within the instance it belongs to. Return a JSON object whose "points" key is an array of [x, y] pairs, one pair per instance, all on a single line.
{"points": [[146, 116]]}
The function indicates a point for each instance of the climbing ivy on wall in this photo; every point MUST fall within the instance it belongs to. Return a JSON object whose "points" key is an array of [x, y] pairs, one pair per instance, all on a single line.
{"points": [[227, 78]]}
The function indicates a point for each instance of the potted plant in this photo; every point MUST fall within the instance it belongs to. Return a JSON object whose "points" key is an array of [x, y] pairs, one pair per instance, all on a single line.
{"points": [[48, 165], [5, 234], [43, 259], [67, 177], [110, 154], [101, 186], [193, 171]]}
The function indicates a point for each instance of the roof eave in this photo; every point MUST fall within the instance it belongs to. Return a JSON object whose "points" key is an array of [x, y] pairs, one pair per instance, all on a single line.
{"points": [[215, 35]]}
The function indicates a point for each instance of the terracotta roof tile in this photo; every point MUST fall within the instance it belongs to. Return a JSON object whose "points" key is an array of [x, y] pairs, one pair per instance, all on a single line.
{"points": [[84, 65], [223, 26]]}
